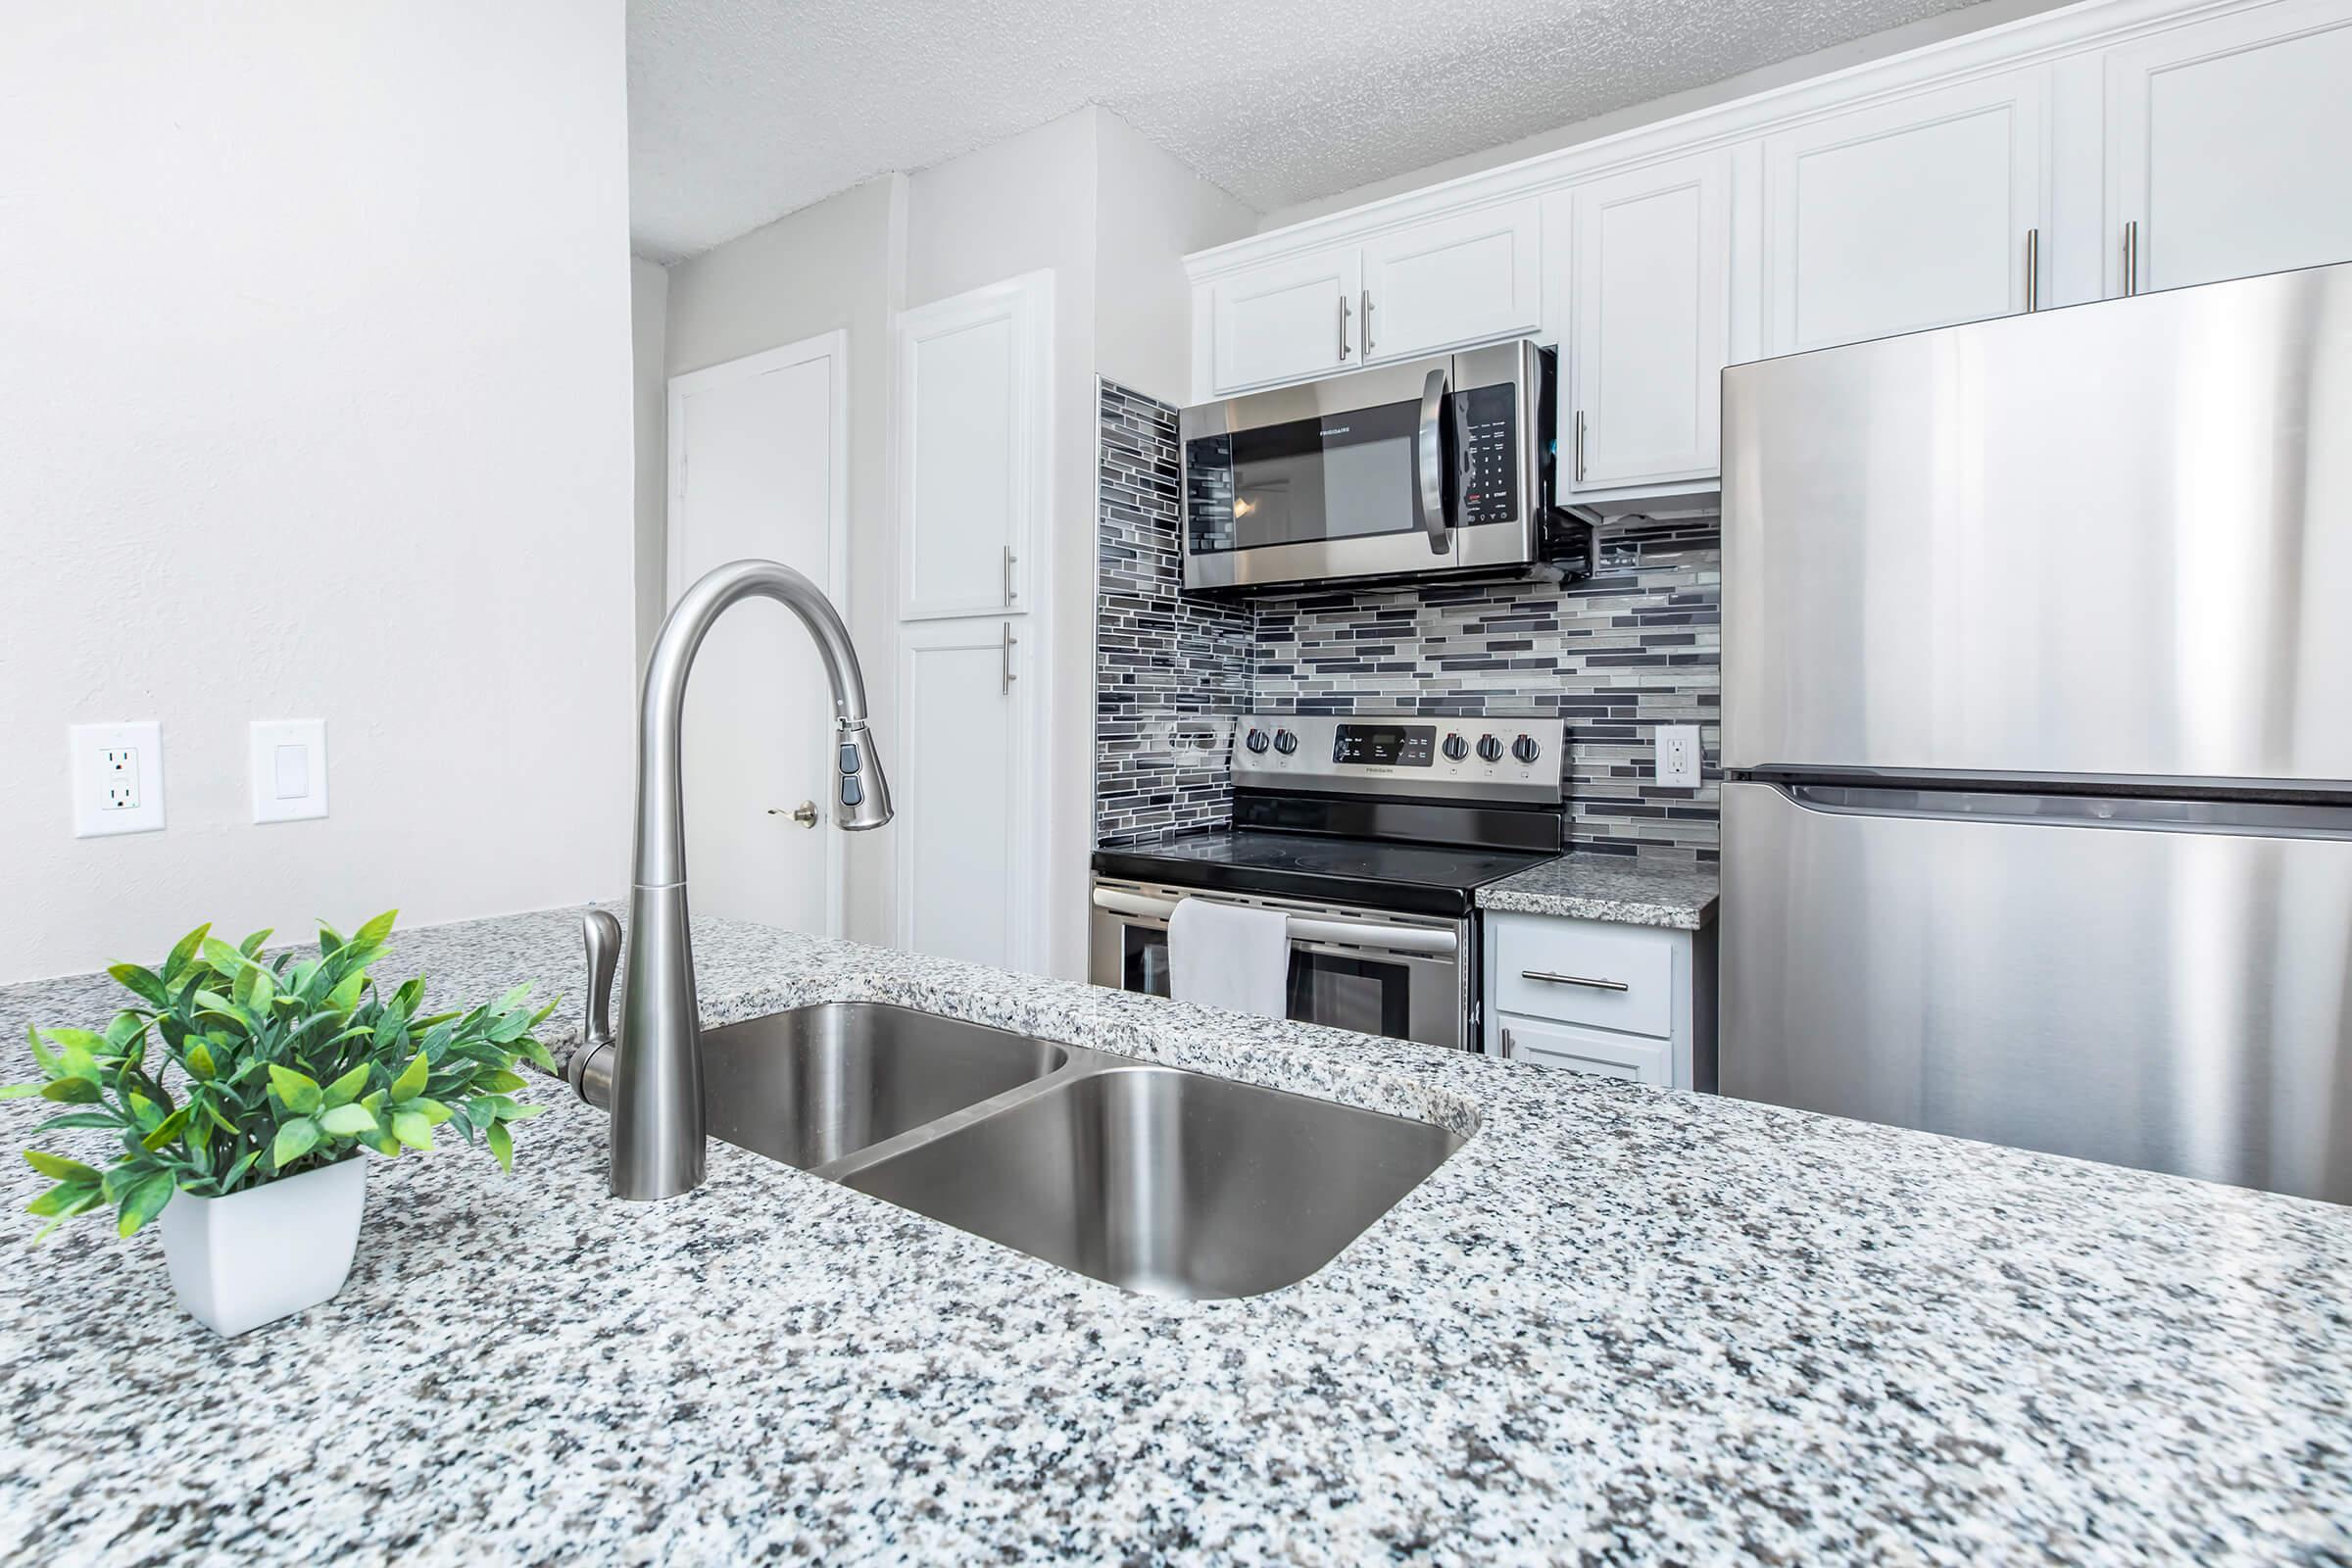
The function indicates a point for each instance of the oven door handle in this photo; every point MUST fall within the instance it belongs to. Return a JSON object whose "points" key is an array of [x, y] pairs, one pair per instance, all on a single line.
{"points": [[1303, 928], [1434, 446]]}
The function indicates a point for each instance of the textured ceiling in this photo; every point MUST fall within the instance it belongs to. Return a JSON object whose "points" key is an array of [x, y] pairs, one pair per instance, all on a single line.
{"points": [[740, 110]]}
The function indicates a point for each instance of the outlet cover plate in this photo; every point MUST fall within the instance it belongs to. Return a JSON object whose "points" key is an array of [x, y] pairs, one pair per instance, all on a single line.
{"points": [[288, 768], [1677, 761], [118, 774]]}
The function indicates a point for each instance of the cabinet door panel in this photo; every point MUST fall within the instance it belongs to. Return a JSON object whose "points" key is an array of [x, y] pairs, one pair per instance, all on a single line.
{"points": [[961, 782], [1905, 216], [1453, 281], [2227, 146], [973, 373], [1286, 321], [1586, 1050], [1650, 287]]}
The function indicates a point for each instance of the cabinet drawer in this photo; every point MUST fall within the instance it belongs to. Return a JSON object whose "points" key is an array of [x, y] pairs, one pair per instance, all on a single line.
{"points": [[1592, 1051], [1581, 971]]}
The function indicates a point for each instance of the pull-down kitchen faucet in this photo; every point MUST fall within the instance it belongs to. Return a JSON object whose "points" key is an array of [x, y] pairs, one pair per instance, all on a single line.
{"points": [[657, 1091]]}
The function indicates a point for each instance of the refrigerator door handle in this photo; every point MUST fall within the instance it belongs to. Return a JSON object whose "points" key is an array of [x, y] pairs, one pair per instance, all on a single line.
{"points": [[2145, 813]]}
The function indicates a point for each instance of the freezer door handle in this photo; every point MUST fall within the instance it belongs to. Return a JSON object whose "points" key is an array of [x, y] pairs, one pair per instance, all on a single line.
{"points": [[2254, 819]]}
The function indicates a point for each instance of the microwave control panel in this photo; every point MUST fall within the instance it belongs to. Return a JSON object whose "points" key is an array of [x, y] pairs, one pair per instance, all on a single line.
{"points": [[1486, 454]]}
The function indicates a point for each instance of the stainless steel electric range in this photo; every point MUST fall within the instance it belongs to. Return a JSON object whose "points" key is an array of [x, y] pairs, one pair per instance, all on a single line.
{"points": [[1373, 834]]}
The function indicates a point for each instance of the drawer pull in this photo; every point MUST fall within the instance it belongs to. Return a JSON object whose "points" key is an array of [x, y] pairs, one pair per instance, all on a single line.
{"points": [[1572, 980]]}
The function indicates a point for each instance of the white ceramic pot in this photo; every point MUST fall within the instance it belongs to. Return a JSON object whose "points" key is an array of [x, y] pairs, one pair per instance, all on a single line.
{"points": [[267, 1252]]}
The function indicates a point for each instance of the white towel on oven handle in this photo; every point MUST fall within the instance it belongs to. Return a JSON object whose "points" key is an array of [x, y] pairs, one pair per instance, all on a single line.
{"points": [[1230, 955]]}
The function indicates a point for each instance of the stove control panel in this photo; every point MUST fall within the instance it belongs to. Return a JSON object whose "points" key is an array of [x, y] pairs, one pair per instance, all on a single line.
{"points": [[1409, 756]]}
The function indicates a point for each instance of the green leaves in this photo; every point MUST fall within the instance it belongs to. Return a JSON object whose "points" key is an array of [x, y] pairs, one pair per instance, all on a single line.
{"points": [[231, 1068], [298, 1091], [295, 1139]]}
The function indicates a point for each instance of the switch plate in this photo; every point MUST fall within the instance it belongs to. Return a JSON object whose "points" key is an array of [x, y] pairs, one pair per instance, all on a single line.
{"points": [[117, 772], [288, 769], [1678, 757]]}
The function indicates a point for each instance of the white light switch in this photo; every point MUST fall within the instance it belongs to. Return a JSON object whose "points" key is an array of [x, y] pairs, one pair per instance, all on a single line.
{"points": [[117, 772], [1678, 757], [289, 768]]}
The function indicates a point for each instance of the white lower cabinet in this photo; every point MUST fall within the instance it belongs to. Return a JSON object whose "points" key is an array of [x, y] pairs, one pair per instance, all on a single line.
{"points": [[959, 778], [1592, 995]]}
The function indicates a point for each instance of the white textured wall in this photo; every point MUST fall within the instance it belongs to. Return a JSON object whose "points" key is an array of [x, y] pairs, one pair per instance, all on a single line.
{"points": [[316, 404], [649, 382], [1150, 213]]}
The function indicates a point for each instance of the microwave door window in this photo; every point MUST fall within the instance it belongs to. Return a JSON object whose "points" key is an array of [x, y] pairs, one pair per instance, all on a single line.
{"points": [[1341, 476]]}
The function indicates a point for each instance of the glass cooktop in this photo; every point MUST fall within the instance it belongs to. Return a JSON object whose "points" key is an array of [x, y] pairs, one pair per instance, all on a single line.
{"points": [[1376, 873]]}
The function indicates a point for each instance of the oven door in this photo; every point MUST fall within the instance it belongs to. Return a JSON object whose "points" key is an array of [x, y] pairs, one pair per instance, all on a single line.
{"points": [[1403, 976], [1426, 465]]}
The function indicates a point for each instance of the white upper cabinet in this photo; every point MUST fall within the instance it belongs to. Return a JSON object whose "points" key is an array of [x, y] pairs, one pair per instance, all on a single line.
{"points": [[1287, 320], [1907, 215], [1468, 278], [1650, 289], [2227, 147], [972, 379]]}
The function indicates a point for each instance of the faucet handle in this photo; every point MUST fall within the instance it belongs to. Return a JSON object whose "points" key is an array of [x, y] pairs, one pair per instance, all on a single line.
{"points": [[600, 933]]}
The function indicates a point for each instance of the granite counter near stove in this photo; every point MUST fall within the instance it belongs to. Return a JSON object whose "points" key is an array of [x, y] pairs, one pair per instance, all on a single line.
{"points": [[1621, 889]]}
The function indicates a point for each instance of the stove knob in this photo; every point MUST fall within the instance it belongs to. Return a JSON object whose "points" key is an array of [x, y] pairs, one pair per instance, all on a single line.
{"points": [[1489, 750], [1525, 748], [1256, 741], [1285, 742], [1456, 747]]}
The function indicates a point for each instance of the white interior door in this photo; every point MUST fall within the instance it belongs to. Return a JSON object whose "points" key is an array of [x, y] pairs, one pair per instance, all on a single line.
{"points": [[756, 468]]}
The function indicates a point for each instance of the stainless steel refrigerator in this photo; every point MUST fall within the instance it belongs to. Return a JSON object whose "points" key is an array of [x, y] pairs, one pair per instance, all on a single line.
{"points": [[2038, 731]]}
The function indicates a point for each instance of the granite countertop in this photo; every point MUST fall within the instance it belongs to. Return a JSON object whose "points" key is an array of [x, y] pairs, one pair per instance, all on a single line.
{"points": [[1620, 1325], [1627, 889]]}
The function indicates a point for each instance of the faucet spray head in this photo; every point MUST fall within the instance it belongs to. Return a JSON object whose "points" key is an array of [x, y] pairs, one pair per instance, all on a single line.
{"points": [[860, 794]]}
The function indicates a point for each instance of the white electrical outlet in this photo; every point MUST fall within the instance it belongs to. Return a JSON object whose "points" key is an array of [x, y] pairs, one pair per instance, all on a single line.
{"points": [[1677, 756], [117, 773], [289, 768]]}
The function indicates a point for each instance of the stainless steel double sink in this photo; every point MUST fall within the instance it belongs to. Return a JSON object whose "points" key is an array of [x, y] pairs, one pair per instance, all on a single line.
{"points": [[1159, 1180]]}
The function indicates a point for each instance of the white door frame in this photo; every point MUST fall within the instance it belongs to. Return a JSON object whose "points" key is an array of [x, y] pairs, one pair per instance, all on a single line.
{"points": [[834, 348]]}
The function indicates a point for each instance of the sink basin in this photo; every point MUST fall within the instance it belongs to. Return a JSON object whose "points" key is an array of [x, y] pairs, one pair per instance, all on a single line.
{"points": [[1166, 1182], [816, 1084]]}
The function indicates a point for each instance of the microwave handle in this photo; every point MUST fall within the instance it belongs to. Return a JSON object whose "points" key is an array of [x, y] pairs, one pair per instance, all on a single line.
{"points": [[1435, 405]]}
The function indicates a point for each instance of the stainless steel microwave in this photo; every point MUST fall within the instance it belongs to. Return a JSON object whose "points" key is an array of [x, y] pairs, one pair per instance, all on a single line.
{"points": [[1434, 466]]}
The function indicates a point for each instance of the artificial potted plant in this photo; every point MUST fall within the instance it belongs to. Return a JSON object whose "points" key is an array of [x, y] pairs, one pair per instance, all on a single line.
{"points": [[277, 1074]]}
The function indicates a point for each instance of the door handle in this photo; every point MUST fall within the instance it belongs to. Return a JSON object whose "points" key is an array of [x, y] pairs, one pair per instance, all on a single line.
{"points": [[1343, 326], [1009, 640], [803, 814], [1435, 404], [1009, 592], [1551, 979], [2131, 258], [2033, 268]]}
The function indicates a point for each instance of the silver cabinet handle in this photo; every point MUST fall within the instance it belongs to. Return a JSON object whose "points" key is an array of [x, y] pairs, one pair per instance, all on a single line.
{"points": [[1432, 458], [1367, 320], [2132, 257], [1580, 446], [1343, 326], [2033, 268], [1507, 1042], [803, 814], [1552, 979], [1009, 592], [1009, 640]]}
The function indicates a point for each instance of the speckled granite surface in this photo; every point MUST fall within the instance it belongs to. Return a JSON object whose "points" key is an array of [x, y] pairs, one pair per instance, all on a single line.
{"points": [[1620, 1325], [1627, 889]]}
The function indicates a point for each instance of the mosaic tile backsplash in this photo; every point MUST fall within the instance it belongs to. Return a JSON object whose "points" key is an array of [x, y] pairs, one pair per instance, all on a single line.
{"points": [[1637, 646]]}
